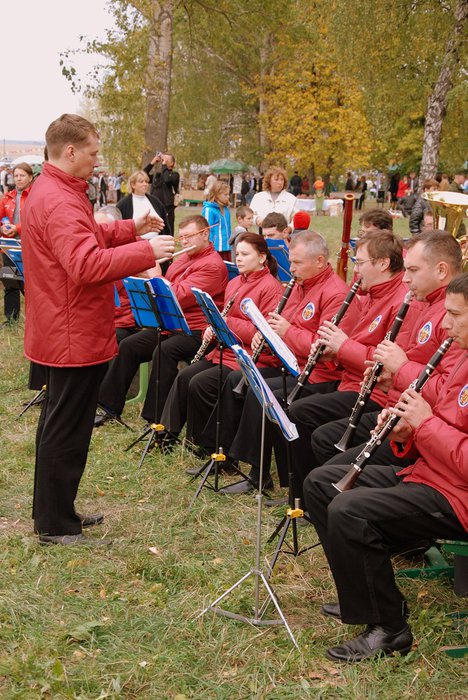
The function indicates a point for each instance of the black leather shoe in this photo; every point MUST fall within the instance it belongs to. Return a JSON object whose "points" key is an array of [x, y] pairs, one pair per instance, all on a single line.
{"points": [[331, 609], [101, 418], [245, 486], [275, 502], [377, 639], [79, 539], [91, 520]]}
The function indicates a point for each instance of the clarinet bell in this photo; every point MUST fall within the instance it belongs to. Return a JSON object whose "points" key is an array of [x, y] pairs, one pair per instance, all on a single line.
{"points": [[240, 388], [343, 443]]}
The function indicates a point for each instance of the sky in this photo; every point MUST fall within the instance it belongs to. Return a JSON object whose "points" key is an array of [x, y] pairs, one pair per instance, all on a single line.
{"points": [[32, 38]]}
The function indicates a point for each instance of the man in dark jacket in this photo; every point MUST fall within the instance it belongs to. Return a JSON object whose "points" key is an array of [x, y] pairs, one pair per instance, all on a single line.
{"points": [[165, 183], [70, 264]]}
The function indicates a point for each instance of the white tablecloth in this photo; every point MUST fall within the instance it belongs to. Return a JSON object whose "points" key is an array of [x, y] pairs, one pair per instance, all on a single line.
{"points": [[309, 204]]}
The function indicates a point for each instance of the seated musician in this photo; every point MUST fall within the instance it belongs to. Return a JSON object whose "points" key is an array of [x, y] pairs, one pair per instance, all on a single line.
{"points": [[201, 267], [380, 262], [389, 508], [193, 394], [431, 262], [317, 295], [276, 227]]}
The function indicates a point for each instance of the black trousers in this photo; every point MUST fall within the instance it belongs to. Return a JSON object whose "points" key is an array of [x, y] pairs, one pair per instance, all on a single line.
{"points": [[308, 414], [12, 294], [62, 441], [359, 528], [246, 444], [323, 440], [138, 348]]}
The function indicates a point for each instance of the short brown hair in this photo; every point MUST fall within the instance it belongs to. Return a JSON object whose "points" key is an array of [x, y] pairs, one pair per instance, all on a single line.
{"points": [[269, 174], [459, 285], [69, 128], [275, 220], [383, 244], [242, 211], [24, 166], [430, 182], [197, 219], [377, 218], [439, 245]]}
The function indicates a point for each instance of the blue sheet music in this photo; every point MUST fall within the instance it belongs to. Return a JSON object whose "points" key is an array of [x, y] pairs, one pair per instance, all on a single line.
{"points": [[214, 318], [139, 301], [16, 255], [280, 251], [169, 312], [264, 395]]}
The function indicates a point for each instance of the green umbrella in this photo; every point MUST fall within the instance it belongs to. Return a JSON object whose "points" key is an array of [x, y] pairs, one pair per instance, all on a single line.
{"points": [[226, 165]]}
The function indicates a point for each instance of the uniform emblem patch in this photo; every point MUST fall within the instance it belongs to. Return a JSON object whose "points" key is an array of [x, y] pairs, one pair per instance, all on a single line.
{"points": [[463, 397], [243, 306], [375, 323], [425, 333], [309, 311]]}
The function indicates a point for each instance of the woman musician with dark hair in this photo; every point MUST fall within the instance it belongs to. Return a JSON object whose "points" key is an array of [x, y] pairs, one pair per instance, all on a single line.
{"points": [[359, 528]]}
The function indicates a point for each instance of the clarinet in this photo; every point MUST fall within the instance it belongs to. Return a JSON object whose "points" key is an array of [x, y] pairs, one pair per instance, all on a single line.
{"points": [[315, 356], [204, 346], [241, 386], [369, 385], [347, 482]]}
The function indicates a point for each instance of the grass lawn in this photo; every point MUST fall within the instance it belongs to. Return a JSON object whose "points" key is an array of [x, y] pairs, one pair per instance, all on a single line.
{"points": [[120, 622]]}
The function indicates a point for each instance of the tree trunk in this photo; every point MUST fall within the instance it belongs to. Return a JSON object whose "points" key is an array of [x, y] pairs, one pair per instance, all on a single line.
{"points": [[437, 102], [265, 71], [157, 79]]}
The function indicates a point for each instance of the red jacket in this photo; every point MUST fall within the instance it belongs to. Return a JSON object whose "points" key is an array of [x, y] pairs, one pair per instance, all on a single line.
{"points": [[265, 291], [123, 315], [8, 204], [310, 304], [425, 336], [208, 272], [378, 310], [70, 265], [442, 441]]}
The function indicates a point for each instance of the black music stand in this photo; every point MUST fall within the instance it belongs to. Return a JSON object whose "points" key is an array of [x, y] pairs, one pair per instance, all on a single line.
{"points": [[225, 340], [166, 315], [273, 411], [289, 366]]}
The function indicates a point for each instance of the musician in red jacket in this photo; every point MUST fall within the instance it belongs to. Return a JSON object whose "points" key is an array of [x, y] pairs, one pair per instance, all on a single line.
{"points": [[200, 266], [389, 509], [317, 295], [70, 265], [432, 260]]}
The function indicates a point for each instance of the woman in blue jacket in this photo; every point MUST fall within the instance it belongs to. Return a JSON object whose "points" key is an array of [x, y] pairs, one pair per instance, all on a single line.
{"points": [[216, 211]]}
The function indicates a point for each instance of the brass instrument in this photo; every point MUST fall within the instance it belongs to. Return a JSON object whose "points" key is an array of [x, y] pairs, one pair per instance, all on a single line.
{"points": [[206, 343], [448, 210], [241, 386], [369, 384], [347, 481]]}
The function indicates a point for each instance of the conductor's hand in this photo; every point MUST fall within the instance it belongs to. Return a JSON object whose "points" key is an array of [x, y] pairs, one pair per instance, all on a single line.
{"points": [[163, 247], [148, 223], [390, 355], [413, 408]]}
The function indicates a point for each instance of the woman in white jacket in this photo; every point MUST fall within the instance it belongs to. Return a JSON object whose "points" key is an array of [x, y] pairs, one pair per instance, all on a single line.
{"points": [[274, 197]]}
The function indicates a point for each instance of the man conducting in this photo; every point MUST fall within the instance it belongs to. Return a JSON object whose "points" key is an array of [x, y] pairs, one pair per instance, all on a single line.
{"points": [[70, 264]]}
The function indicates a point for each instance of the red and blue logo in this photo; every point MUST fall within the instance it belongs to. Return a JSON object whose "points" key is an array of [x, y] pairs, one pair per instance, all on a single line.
{"points": [[375, 323], [463, 397], [425, 333], [309, 311]]}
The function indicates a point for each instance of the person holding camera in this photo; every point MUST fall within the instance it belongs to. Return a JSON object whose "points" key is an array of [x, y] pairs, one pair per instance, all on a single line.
{"points": [[165, 183]]}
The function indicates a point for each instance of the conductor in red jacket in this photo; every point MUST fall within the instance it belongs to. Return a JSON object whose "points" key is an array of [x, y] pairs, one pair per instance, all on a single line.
{"points": [[70, 265]]}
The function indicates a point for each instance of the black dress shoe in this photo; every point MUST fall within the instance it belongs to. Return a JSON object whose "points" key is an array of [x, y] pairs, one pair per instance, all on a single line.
{"points": [[101, 418], [90, 520], [377, 639], [331, 609], [275, 502], [245, 486], [78, 539]]}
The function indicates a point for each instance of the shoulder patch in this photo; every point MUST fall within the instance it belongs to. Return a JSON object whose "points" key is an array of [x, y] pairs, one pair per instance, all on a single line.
{"points": [[463, 397], [425, 333], [243, 306], [375, 323], [308, 311]]}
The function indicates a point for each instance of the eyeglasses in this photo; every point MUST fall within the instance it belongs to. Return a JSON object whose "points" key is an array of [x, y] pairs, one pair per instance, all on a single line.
{"points": [[359, 263], [188, 236]]}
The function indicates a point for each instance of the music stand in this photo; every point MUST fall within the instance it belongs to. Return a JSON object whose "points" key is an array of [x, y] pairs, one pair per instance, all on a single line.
{"points": [[289, 365], [225, 339], [274, 412], [280, 251], [160, 310]]}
